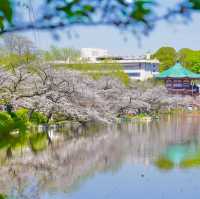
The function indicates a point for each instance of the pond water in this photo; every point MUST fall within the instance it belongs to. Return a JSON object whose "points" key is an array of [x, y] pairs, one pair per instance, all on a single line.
{"points": [[157, 159]]}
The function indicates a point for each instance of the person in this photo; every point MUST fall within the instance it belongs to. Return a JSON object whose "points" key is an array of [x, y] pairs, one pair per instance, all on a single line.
{"points": [[194, 88], [8, 107]]}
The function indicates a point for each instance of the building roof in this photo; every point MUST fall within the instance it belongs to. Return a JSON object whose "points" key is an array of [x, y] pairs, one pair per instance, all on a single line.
{"points": [[178, 71]]}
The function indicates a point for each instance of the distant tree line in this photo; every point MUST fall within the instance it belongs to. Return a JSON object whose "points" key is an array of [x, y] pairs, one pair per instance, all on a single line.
{"points": [[16, 50], [168, 56]]}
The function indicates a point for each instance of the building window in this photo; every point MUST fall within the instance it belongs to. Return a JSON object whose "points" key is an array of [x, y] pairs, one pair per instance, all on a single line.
{"points": [[177, 84], [154, 68], [134, 74]]}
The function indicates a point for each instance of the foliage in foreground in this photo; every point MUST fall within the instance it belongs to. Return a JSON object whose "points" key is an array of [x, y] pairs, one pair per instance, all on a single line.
{"points": [[16, 124], [134, 16], [15, 131], [3, 196]]}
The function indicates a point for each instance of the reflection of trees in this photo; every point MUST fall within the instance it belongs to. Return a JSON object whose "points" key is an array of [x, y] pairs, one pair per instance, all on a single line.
{"points": [[67, 164], [14, 144], [2, 196]]}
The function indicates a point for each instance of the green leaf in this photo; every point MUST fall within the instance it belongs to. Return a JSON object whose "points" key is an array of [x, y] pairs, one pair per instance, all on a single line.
{"points": [[1, 23], [3, 196], [6, 9], [140, 11], [88, 8], [195, 4]]}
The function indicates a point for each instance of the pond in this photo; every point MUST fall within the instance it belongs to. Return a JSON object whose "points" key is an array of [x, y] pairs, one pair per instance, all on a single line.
{"points": [[157, 159]]}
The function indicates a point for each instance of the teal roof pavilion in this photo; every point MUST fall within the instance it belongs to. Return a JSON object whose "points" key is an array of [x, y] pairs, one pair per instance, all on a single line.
{"points": [[178, 71]]}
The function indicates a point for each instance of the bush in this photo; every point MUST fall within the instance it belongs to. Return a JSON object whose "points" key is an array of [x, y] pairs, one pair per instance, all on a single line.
{"points": [[38, 118], [19, 120], [22, 113], [6, 123], [35, 117]]}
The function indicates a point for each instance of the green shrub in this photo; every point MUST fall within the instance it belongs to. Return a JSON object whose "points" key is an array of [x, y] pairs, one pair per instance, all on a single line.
{"points": [[22, 113], [38, 118], [6, 123], [35, 117]]}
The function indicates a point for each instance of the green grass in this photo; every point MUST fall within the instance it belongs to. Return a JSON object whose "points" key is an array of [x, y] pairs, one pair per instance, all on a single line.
{"points": [[96, 71]]}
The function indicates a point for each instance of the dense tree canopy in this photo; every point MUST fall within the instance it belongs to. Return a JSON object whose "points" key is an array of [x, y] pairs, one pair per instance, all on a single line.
{"points": [[188, 57], [136, 15], [16, 50], [166, 56]]}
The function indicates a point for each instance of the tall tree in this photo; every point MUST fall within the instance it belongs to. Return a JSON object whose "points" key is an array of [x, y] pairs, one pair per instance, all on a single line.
{"points": [[64, 54], [17, 44], [189, 58], [17, 50], [167, 57]]}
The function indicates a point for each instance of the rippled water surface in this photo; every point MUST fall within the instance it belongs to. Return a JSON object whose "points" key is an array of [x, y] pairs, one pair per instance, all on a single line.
{"points": [[142, 160]]}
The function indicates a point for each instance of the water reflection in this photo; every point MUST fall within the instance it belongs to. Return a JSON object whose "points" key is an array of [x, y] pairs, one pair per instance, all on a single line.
{"points": [[185, 155], [171, 143]]}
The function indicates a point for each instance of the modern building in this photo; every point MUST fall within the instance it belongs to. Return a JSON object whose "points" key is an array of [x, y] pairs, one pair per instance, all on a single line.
{"points": [[139, 68], [91, 54]]}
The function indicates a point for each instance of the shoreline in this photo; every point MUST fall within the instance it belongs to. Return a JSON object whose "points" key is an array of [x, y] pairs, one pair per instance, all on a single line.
{"points": [[55, 95]]}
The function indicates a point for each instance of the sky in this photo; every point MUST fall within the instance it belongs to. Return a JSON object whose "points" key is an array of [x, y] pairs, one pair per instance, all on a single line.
{"points": [[165, 34]]}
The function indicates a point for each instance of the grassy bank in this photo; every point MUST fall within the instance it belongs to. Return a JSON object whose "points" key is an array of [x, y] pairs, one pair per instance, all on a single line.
{"points": [[97, 71]]}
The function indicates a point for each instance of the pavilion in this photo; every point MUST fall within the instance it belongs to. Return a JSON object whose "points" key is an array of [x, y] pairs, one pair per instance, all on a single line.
{"points": [[179, 80]]}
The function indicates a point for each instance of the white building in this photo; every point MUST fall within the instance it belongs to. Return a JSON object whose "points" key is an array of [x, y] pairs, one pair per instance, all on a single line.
{"points": [[91, 54], [141, 68]]}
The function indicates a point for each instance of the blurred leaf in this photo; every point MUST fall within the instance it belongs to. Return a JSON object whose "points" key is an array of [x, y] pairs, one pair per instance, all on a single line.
{"points": [[88, 8], [195, 4], [3, 196], [6, 9], [79, 12], [1, 23], [140, 10], [123, 2]]}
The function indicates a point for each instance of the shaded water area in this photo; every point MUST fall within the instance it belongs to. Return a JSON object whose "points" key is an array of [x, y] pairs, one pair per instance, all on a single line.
{"points": [[157, 159]]}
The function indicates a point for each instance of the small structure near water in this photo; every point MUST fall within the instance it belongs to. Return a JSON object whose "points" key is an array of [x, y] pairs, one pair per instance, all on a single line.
{"points": [[179, 80]]}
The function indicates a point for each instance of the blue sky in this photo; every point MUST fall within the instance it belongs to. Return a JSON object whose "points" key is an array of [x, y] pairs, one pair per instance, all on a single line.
{"points": [[165, 34]]}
